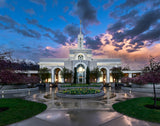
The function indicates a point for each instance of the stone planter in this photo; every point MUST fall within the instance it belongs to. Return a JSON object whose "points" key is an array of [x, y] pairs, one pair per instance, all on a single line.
{"points": [[80, 96]]}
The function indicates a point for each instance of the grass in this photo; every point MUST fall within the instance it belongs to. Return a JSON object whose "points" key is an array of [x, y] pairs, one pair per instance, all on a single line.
{"points": [[19, 110], [136, 108]]}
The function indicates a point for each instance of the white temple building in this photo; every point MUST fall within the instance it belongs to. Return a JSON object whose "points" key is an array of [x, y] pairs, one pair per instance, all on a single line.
{"points": [[80, 58]]}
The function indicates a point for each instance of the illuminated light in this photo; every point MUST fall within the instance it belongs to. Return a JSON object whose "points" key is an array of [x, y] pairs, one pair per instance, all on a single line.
{"points": [[50, 90], [48, 116], [2, 96], [80, 69], [56, 90], [125, 95], [34, 96], [29, 93], [67, 115], [2, 92]]}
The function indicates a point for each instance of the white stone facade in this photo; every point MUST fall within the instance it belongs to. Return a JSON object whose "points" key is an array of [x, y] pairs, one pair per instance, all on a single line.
{"points": [[80, 58]]}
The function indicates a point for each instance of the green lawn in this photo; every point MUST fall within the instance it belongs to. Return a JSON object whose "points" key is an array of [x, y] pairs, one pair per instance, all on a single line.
{"points": [[19, 110], [136, 108]]}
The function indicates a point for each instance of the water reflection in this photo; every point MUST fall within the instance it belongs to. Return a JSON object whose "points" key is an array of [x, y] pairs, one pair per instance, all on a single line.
{"points": [[67, 103], [48, 96]]}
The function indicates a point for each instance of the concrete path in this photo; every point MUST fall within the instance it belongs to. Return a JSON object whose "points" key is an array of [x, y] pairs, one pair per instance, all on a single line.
{"points": [[82, 118], [83, 112]]}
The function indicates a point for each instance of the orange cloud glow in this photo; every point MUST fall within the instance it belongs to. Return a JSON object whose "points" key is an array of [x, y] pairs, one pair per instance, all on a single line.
{"points": [[136, 60]]}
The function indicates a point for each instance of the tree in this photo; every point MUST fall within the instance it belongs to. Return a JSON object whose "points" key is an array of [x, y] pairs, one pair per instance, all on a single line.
{"points": [[75, 75], [88, 75], [44, 74], [151, 74], [69, 75], [95, 73], [5, 54], [117, 73], [126, 80], [126, 68], [66, 74]]}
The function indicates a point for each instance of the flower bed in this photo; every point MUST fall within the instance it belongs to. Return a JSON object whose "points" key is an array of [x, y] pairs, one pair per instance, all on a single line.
{"points": [[81, 85], [80, 91]]}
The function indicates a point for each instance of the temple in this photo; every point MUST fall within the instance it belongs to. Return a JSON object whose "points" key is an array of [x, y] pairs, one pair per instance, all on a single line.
{"points": [[80, 58]]}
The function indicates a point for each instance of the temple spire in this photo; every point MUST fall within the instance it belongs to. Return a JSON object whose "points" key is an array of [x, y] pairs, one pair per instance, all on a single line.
{"points": [[80, 38], [80, 26]]}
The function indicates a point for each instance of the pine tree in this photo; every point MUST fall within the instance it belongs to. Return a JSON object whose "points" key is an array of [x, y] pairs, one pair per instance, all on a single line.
{"points": [[88, 75], [75, 75]]}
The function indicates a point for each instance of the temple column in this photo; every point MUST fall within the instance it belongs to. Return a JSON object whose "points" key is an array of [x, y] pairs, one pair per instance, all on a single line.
{"points": [[108, 76], [52, 76]]}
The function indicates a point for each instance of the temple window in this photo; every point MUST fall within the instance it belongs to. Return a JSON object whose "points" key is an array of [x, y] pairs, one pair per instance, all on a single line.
{"points": [[80, 57]]}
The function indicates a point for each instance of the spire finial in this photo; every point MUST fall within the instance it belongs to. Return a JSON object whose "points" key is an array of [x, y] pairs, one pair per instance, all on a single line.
{"points": [[80, 26]]}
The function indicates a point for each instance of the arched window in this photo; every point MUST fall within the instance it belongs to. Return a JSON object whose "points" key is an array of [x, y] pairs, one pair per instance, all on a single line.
{"points": [[80, 57]]}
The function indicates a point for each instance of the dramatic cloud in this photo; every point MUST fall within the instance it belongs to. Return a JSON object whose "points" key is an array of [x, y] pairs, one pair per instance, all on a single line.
{"points": [[86, 12], [65, 9], [8, 20], [30, 11], [62, 18], [45, 28], [116, 26], [61, 51], [109, 49], [9, 23], [142, 31], [132, 3], [150, 36], [32, 21], [72, 31], [51, 19], [40, 2], [108, 4], [144, 22], [59, 37], [48, 36], [93, 43], [129, 16], [28, 33]]}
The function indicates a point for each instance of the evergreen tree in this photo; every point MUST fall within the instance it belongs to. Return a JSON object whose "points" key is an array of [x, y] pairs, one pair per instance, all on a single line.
{"points": [[44, 74], [66, 74], [75, 75], [95, 73], [88, 75], [117, 73]]}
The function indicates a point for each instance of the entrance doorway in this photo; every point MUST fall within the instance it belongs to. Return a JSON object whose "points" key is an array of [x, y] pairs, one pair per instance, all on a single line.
{"points": [[80, 74]]}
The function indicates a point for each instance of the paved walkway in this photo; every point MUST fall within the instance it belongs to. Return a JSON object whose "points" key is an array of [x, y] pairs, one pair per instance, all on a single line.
{"points": [[83, 112]]}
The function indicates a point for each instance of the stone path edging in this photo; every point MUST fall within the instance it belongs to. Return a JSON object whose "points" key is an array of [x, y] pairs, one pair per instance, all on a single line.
{"points": [[80, 96], [144, 90], [18, 90]]}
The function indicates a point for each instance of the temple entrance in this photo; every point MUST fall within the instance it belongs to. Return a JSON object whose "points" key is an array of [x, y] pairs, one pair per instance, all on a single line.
{"points": [[103, 75], [58, 75], [80, 74]]}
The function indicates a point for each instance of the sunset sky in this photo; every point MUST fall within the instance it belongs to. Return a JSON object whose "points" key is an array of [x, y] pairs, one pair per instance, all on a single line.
{"points": [[126, 29]]}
